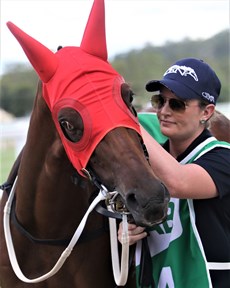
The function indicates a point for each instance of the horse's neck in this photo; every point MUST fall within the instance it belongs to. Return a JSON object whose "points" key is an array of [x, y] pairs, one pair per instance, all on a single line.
{"points": [[45, 192]]}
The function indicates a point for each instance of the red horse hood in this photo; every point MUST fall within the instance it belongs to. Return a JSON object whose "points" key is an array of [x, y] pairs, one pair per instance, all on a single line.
{"points": [[81, 78]]}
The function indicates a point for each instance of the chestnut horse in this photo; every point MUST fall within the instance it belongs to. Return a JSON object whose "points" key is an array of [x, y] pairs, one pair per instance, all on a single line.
{"points": [[84, 137], [219, 125]]}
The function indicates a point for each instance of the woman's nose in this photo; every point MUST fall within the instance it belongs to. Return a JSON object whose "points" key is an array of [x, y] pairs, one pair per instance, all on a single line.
{"points": [[165, 108]]}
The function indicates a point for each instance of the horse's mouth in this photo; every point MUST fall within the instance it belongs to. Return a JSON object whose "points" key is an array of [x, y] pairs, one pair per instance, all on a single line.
{"points": [[141, 221], [144, 223]]}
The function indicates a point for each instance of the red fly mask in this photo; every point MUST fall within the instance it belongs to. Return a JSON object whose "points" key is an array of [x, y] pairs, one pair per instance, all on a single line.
{"points": [[80, 78]]}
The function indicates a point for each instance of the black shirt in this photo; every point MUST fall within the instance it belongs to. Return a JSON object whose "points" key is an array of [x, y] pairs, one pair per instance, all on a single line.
{"points": [[213, 215]]}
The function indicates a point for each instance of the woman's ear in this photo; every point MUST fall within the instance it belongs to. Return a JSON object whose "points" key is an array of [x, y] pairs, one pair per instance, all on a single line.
{"points": [[208, 111]]}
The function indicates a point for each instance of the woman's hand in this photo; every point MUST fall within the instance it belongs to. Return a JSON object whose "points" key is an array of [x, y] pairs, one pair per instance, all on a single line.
{"points": [[135, 233]]}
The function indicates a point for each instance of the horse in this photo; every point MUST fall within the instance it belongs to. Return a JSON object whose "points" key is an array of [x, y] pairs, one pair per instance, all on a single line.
{"points": [[83, 141], [219, 125]]}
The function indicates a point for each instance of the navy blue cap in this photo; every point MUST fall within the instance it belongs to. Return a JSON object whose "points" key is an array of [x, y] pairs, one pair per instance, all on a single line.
{"points": [[189, 78]]}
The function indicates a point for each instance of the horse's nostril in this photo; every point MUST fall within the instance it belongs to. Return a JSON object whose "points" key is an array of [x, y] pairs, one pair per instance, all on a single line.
{"points": [[131, 201]]}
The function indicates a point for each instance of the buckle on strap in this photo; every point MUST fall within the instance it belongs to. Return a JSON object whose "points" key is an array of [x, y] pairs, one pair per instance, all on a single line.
{"points": [[7, 186]]}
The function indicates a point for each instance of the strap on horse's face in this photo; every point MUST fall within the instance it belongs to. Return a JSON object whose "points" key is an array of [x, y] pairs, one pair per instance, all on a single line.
{"points": [[81, 78]]}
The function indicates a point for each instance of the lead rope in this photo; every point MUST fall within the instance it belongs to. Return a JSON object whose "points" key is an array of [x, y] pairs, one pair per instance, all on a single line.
{"points": [[102, 195], [120, 272]]}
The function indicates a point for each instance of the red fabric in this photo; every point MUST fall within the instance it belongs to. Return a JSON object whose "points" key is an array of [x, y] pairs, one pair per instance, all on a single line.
{"points": [[41, 58], [94, 38], [82, 79]]}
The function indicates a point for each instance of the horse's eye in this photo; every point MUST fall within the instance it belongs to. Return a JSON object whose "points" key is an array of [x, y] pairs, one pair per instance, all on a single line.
{"points": [[65, 124], [71, 124]]}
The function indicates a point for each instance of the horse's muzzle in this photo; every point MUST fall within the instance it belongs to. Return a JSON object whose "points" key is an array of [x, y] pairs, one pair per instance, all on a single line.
{"points": [[150, 212]]}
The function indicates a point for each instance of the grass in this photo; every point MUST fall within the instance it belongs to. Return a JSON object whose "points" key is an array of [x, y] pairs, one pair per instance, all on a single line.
{"points": [[7, 158]]}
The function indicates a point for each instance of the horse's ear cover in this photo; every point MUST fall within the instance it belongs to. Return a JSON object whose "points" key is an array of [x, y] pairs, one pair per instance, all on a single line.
{"points": [[94, 38], [42, 59], [82, 79]]}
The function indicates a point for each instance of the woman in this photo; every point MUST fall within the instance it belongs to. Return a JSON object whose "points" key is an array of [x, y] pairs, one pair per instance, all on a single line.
{"points": [[192, 247]]}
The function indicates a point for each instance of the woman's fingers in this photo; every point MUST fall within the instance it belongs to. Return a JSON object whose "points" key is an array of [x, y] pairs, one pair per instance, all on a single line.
{"points": [[136, 233]]}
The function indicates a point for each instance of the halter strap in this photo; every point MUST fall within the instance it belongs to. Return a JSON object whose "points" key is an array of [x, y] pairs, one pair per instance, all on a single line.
{"points": [[85, 236]]}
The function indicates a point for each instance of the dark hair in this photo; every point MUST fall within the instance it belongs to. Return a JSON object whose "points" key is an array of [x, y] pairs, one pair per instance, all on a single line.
{"points": [[203, 103]]}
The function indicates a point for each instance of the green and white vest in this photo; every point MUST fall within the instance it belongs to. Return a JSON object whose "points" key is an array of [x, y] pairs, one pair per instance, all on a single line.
{"points": [[176, 250]]}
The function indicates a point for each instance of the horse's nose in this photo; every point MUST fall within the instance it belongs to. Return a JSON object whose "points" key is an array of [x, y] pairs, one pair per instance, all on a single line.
{"points": [[148, 210]]}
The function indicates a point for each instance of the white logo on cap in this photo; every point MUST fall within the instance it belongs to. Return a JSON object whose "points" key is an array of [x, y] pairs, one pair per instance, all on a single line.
{"points": [[183, 70], [209, 97]]}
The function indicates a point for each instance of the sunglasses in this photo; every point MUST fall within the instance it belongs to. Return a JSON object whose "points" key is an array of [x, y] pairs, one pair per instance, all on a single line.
{"points": [[158, 102]]}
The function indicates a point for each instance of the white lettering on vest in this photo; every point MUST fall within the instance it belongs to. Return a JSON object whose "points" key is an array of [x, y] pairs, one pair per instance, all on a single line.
{"points": [[166, 278], [165, 233]]}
